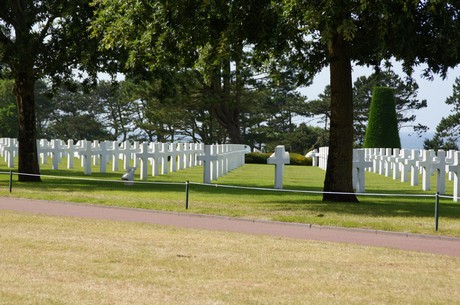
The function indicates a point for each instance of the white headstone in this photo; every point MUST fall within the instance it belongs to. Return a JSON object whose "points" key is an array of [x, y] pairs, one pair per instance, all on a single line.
{"points": [[426, 165], [359, 169], [144, 156], [439, 165], [208, 159], [455, 169], [279, 159]]}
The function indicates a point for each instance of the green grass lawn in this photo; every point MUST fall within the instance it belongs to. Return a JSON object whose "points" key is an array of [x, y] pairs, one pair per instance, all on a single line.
{"points": [[407, 214]]}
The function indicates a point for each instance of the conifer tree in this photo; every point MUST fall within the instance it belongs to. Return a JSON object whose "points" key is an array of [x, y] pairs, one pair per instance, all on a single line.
{"points": [[382, 130]]}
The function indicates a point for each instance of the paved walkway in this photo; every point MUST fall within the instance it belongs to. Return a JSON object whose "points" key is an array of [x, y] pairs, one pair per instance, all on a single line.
{"points": [[403, 241]]}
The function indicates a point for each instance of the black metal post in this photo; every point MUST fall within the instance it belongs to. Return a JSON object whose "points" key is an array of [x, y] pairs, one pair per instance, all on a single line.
{"points": [[436, 212], [186, 194], [11, 181]]}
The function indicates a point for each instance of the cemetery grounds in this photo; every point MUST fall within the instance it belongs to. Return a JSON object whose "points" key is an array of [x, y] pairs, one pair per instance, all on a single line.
{"points": [[146, 264]]}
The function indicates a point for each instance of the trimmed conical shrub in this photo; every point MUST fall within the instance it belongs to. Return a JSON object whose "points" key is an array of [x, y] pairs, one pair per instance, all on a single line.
{"points": [[382, 129]]}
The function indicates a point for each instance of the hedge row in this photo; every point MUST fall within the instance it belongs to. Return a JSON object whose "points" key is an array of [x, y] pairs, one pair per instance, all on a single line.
{"points": [[261, 158]]}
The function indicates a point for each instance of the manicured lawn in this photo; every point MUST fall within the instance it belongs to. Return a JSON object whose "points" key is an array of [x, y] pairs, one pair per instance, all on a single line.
{"points": [[408, 214]]}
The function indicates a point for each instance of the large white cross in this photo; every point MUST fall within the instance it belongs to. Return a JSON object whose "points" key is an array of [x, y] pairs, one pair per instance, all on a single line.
{"points": [[439, 165], [279, 159], [144, 156], [359, 169], [426, 165], [71, 149], [208, 160], [86, 153]]}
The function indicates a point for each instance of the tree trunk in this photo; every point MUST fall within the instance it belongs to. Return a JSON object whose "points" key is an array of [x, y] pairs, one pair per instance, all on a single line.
{"points": [[224, 109], [340, 158], [27, 152]]}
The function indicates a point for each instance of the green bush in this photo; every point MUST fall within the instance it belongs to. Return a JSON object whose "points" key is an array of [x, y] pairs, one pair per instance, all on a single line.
{"points": [[257, 158], [382, 129], [298, 159], [261, 158]]}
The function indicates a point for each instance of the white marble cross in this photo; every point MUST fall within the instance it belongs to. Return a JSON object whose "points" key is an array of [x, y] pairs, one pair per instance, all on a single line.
{"points": [[144, 156], [10, 151], [439, 165], [54, 148], [402, 165], [359, 168], [71, 149], [394, 164], [86, 154], [208, 160], [173, 152], [115, 152], [279, 159], [313, 154], [426, 165], [455, 169]]}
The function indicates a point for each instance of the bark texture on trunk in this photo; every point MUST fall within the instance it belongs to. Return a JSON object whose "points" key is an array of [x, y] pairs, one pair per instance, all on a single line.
{"points": [[339, 163], [27, 152]]}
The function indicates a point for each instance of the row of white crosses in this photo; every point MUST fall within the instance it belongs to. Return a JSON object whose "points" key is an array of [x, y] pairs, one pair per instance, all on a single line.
{"points": [[8, 150], [402, 164], [219, 159], [180, 155], [163, 157]]}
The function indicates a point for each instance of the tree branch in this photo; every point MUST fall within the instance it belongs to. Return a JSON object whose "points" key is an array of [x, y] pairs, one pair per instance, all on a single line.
{"points": [[47, 26], [4, 40]]}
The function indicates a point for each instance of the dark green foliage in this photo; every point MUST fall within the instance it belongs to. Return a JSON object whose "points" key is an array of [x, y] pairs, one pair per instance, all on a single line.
{"points": [[261, 158], [8, 110], [257, 158], [438, 142], [301, 139], [382, 129]]}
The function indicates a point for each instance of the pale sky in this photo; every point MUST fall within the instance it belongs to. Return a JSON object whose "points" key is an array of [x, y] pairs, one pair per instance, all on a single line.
{"points": [[435, 92]]}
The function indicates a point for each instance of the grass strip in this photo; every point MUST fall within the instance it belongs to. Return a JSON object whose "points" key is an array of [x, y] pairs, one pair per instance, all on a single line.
{"points": [[406, 214]]}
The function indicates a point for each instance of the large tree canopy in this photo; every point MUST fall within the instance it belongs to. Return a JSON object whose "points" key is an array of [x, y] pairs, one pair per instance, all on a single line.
{"points": [[38, 39], [214, 37], [367, 32]]}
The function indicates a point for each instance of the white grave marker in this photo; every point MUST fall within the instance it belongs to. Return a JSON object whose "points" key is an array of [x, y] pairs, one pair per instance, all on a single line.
{"points": [[279, 159], [455, 169], [359, 169], [208, 160]]}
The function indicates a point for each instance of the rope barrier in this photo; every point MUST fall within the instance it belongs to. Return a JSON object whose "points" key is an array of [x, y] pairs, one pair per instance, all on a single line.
{"points": [[187, 189], [315, 192], [234, 187], [95, 180]]}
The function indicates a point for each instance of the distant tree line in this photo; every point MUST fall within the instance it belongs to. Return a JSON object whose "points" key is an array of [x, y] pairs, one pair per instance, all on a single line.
{"points": [[171, 108]]}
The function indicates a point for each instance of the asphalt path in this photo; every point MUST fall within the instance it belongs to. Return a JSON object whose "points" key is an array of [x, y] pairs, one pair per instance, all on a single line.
{"points": [[405, 241]]}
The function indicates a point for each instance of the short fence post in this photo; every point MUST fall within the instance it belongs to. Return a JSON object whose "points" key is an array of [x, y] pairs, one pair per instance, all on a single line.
{"points": [[11, 181], [436, 212], [186, 194]]}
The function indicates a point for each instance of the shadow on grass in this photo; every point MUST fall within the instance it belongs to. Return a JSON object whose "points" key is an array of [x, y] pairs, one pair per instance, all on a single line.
{"points": [[269, 200]]}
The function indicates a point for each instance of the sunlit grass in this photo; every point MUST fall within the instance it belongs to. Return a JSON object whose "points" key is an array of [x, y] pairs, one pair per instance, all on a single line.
{"points": [[53, 260], [408, 214]]}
